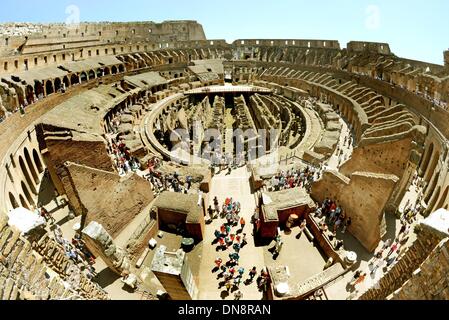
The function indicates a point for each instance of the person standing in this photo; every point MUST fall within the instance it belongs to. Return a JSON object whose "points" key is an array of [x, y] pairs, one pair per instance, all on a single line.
{"points": [[393, 249], [216, 206], [210, 211], [189, 182], [238, 295], [303, 226], [252, 274], [244, 242], [346, 224], [242, 223]]}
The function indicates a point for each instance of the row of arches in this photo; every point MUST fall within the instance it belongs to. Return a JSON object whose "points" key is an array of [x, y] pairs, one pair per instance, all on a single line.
{"points": [[31, 167], [41, 89], [433, 197]]}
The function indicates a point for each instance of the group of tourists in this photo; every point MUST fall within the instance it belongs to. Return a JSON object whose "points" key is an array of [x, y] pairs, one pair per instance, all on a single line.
{"points": [[435, 101], [340, 151], [167, 182], [225, 161], [332, 217], [231, 237], [77, 251], [388, 255], [123, 160], [294, 178]]}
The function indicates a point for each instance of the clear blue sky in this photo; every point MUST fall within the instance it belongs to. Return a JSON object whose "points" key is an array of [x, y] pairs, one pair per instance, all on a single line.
{"points": [[415, 29]]}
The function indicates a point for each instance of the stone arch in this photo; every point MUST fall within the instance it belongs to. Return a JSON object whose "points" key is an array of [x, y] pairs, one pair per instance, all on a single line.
{"points": [[31, 166], [83, 77], [114, 70], [66, 81], [23, 202], [13, 201], [443, 198], [121, 68], [29, 94], [39, 89], [58, 84], [26, 174], [74, 79], [49, 89], [99, 73], [434, 200], [426, 159], [428, 191], [433, 164], [107, 71], [37, 161], [27, 193], [91, 74]]}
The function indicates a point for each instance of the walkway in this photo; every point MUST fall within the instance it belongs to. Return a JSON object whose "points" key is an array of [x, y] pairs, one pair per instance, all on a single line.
{"points": [[236, 186]]}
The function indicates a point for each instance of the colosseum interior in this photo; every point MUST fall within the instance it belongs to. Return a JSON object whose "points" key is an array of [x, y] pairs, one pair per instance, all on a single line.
{"points": [[142, 161]]}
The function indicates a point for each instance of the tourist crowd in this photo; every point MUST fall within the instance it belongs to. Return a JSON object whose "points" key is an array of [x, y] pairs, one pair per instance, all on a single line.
{"points": [[294, 178], [331, 219], [166, 181], [77, 251], [230, 237]]}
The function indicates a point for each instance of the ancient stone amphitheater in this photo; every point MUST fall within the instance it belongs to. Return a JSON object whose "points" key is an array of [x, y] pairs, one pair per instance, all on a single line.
{"points": [[71, 95]]}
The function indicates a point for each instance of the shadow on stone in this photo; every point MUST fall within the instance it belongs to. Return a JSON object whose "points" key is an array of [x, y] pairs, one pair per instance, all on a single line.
{"points": [[106, 277]]}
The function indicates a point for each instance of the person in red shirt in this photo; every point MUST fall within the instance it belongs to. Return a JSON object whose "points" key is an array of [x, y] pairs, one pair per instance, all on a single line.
{"points": [[242, 223]]}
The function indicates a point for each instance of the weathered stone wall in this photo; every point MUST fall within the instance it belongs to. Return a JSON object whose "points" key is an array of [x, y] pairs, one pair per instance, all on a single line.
{"points": [[88, 153], [363, 197], [101, 244], [109, 199], [385, 158], [138, 241], [430, 281]]}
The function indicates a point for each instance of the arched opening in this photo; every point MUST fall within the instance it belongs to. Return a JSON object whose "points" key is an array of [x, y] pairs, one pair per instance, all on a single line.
{"points": [[66, 81], [29, 94], [58, 84], [13, 201], [99, 73], [49, 87], [83, 77], [434, 200], [26, 174], [37, 161], [23, 202], [426, 159], [27, 194], [31, 166], [121, 68], [91, 74], [429, 189], [433, 164], [114, 70], [107, 71], [443, 199], [39, 89], [74, 79]]}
